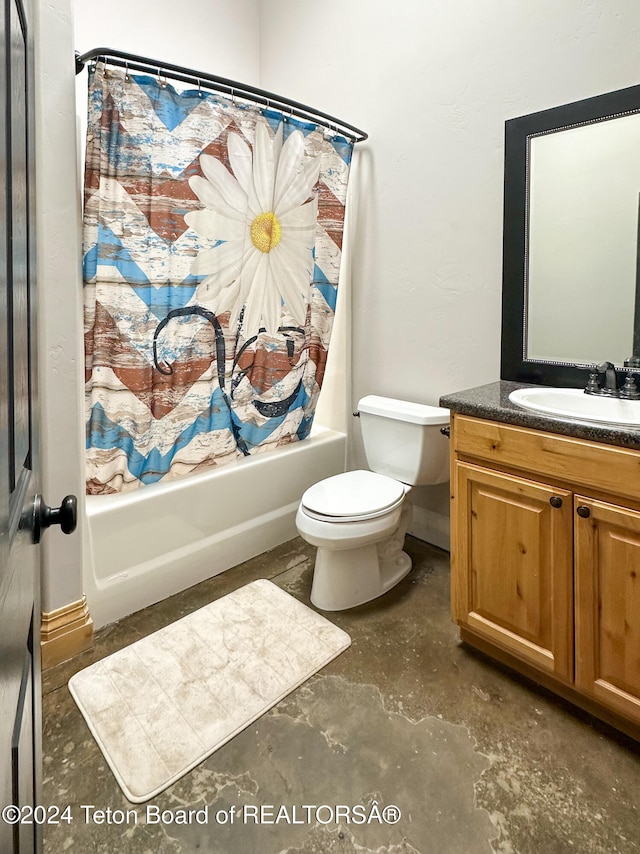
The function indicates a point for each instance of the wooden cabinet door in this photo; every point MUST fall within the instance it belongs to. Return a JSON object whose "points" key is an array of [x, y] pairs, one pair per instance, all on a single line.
{"points": [[513, 565], [607, 579]]}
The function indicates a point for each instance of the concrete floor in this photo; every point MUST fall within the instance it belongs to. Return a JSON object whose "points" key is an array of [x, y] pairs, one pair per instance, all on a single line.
{"points": [[475, 758]]}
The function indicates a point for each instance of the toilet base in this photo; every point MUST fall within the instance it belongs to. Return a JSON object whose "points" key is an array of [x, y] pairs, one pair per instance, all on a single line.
{"points": [[346, 578]]}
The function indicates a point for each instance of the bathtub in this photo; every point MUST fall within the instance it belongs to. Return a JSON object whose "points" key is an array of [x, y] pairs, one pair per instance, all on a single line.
{"points": [[143, 546]]}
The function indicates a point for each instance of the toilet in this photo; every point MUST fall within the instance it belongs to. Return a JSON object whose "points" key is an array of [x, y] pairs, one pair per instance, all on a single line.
{"points": [[358, 520]]}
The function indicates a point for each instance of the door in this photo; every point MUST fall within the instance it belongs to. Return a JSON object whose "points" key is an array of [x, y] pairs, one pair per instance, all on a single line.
{"points": [[514, 566], [19, 558], [608, 604]]}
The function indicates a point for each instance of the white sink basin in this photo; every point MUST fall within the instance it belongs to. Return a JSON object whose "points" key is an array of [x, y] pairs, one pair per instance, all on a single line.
{"points": [[573, 403]]}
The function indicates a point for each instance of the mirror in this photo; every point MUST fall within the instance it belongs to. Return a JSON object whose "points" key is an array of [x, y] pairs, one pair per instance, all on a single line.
{"points": [[571, 240]]}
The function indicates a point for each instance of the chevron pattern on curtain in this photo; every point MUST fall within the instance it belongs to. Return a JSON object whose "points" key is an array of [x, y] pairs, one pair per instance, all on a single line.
{"points": [[212, 245]]}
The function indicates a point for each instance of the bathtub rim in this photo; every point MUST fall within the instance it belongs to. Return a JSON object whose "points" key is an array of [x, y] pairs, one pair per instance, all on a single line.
{"points": [[111, 597]]}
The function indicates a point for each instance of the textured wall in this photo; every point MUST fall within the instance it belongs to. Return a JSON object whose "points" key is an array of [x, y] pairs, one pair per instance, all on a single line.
{"points": [[59, 315], [218, 34], [433, 83]]}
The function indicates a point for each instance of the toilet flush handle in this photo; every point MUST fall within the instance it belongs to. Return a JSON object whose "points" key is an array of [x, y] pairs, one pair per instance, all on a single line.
{"points": [[446, 431]]}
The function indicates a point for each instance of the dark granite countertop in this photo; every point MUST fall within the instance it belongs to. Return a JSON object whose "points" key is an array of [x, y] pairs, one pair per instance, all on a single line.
{"points": [[492, 402]]}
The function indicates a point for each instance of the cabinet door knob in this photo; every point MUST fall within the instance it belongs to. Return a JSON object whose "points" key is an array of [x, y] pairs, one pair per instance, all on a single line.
{"points": [[555, 501], [583, 511]]}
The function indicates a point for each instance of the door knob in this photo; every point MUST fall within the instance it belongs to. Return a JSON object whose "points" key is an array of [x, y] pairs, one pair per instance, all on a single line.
{"points": [[44, 516], [583, 511]]}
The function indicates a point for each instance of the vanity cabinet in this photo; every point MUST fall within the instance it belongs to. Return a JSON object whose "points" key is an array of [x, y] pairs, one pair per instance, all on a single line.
{"points": [[546, 560], [607, 604], [514, 559]]}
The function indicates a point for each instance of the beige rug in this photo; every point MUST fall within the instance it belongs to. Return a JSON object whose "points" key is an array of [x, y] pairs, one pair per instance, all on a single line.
{"points": [[160, 706]]}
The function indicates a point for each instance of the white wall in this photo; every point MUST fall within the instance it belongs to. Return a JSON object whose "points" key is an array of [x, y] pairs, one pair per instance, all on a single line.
{"points": [[433, 81], [59, 295], [218, 36]]}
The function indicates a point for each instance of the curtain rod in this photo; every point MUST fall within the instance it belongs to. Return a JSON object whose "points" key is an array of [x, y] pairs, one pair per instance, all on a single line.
{"points": [[220, 84]]}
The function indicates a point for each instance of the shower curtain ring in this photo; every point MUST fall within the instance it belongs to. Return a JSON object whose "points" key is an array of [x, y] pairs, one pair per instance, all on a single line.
{"points": [[126, 71], [199, 88], [161, 80]]}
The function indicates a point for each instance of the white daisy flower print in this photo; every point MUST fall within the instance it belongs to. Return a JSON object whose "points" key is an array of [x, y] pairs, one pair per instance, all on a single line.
{"points": [[266, 214]]}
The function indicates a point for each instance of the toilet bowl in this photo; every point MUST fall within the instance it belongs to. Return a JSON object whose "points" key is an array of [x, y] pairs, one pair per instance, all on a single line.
{"points": [[358, 520]]}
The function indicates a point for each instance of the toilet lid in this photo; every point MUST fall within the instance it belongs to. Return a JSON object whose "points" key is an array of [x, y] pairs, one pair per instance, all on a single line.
{"points": [[352, 496]]}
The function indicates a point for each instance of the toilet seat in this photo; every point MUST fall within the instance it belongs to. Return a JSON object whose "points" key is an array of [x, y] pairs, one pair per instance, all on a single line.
{"points": [[352, 497]]}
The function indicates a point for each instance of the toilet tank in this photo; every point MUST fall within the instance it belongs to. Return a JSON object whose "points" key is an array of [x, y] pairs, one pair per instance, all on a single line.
{"points": [[403, 439]]}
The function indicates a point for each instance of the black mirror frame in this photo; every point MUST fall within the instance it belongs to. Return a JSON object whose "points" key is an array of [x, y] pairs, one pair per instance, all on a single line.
{"points": [[518, 132]]}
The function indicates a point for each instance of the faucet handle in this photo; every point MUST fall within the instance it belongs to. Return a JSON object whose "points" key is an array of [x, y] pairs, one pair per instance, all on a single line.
{"points": [[629, 391], [604, 366], [593, 385]]}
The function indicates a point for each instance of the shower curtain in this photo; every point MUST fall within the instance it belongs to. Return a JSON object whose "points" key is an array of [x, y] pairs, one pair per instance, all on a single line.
{"points": [[212, 242]]}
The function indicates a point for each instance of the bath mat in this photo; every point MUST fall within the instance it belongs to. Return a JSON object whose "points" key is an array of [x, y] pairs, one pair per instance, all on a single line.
{"points": [[159, 707]]}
